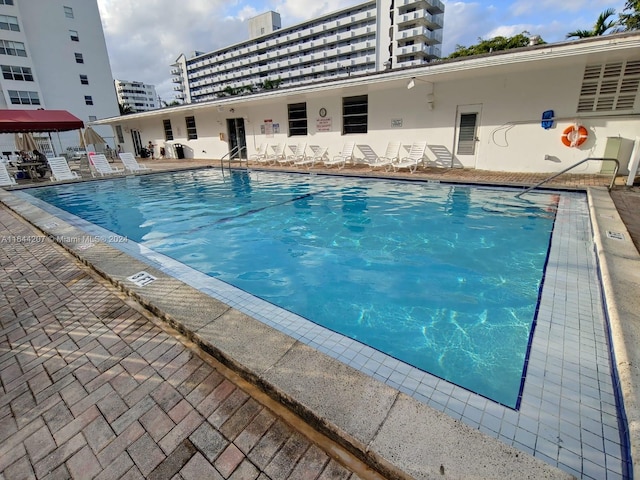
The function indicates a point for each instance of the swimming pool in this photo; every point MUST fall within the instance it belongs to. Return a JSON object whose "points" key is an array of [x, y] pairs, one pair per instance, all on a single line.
{"points": [[443, 277]]}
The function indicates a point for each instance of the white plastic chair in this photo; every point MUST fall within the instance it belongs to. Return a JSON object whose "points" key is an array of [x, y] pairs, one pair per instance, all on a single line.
{"points": [[411, 161], [346, 155], [6, 180], [60, 170], [130, 163], [299, 154], [391, 155], [101, 165], [261, 154], [319, 155]]}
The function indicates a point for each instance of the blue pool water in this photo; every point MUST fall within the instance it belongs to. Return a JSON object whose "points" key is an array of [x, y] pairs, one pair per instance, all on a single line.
{"points": [[445, 278]]}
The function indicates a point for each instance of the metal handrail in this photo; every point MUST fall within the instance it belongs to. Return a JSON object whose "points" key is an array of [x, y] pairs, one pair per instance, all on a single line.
{"points": [[613, 178], [237, 149]]}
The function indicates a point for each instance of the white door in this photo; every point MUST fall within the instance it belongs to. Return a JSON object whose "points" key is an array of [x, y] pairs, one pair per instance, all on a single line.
{"points": [[465, 149]]}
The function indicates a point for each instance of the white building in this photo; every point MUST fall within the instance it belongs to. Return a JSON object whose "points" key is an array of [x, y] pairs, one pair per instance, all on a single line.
{"points": [[53, 55], [482, 112], [138, 96], [369, 37]]}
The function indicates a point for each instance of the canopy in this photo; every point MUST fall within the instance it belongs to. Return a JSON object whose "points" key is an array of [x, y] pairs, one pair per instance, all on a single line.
{"points": [[12, 121]]}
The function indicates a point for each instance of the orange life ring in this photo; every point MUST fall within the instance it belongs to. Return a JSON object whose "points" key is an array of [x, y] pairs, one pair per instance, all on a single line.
{"points": [[574, 136]]}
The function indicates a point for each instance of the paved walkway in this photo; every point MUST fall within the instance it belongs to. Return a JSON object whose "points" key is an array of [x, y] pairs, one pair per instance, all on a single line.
{"points": [[90, 388]]}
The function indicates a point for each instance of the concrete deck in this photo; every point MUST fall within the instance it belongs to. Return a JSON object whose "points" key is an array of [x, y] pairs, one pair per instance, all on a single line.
{"points": [[165, 408]]}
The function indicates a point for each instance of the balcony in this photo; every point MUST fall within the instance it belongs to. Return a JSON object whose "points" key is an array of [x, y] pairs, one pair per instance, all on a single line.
{"points": [[420, 17], [418, 34], [435, 6]]}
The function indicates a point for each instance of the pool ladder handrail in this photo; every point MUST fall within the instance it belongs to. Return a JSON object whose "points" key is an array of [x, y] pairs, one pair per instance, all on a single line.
{"points": [[603, 159], [237, 149]]}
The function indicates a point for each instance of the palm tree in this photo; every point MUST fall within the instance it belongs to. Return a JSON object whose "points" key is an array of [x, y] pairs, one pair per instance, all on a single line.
{"points": [[602, 25], [125, 109]]}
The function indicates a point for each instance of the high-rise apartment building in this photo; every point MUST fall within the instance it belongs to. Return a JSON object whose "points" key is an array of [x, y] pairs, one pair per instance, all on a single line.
{"points": [[372, 36], [138, 96], [53, 56]]}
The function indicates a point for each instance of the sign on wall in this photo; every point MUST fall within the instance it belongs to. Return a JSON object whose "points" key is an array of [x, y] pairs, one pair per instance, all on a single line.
{"points": [[323, 124]]}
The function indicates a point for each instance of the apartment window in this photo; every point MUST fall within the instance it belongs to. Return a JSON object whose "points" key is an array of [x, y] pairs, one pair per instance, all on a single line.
{"points": [[192, 133], [6, 2], [68, 12], [355, 114], [79, 58], [168, 132], [7, 22], [74, 35], [21, 97], [297, 119], [88, 99], [11, 72], [92, 118], [84, 80], [12, 48], [119, 134]]}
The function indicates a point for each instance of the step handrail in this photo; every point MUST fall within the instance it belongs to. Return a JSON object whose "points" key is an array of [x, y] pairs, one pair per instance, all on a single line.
{"points": [[603, 159], [230, 153]]}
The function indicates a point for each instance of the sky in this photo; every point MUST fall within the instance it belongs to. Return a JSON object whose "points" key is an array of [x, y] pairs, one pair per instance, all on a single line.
{"points": [[145, 37]]}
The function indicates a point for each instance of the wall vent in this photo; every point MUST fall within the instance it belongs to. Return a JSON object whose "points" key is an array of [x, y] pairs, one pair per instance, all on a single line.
{"points": [[609, 87]]}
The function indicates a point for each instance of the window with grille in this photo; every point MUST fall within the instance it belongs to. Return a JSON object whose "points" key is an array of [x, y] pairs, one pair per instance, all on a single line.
{"points": [[168, 131], [467, 135], [21, 97], [16, 49], [84, 80], [297, 118], [88, 100], [6, 2], [12, 72], [355, 114], [609, 87], [192, 132], [79, 58]]}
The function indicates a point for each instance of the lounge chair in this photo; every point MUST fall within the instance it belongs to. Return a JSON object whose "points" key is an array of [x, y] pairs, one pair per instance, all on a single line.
{"points": [[130, 163], [6, 180], [416, 155], [391, 156], [261, 154], [60, 170], [319, 156], [101, 165], [346, 155], [277, 155], [299, 154]]}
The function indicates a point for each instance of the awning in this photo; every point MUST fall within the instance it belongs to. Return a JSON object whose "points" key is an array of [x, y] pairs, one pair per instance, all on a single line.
{"points": [[12, 121]]}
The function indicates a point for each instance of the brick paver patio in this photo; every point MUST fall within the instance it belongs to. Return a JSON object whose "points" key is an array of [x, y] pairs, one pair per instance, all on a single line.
{"points": [[91, 388]]}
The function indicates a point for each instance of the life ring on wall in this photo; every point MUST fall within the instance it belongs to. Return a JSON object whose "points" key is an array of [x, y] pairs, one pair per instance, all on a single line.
{"points": [[574, 136]]}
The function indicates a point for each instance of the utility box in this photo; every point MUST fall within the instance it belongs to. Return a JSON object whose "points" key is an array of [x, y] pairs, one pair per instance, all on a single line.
{"points": [[620, 149]]}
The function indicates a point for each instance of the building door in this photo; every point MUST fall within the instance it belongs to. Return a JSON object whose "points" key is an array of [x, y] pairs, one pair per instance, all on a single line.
{"points": [[137, 143], [467, 141], [237, 137]]}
